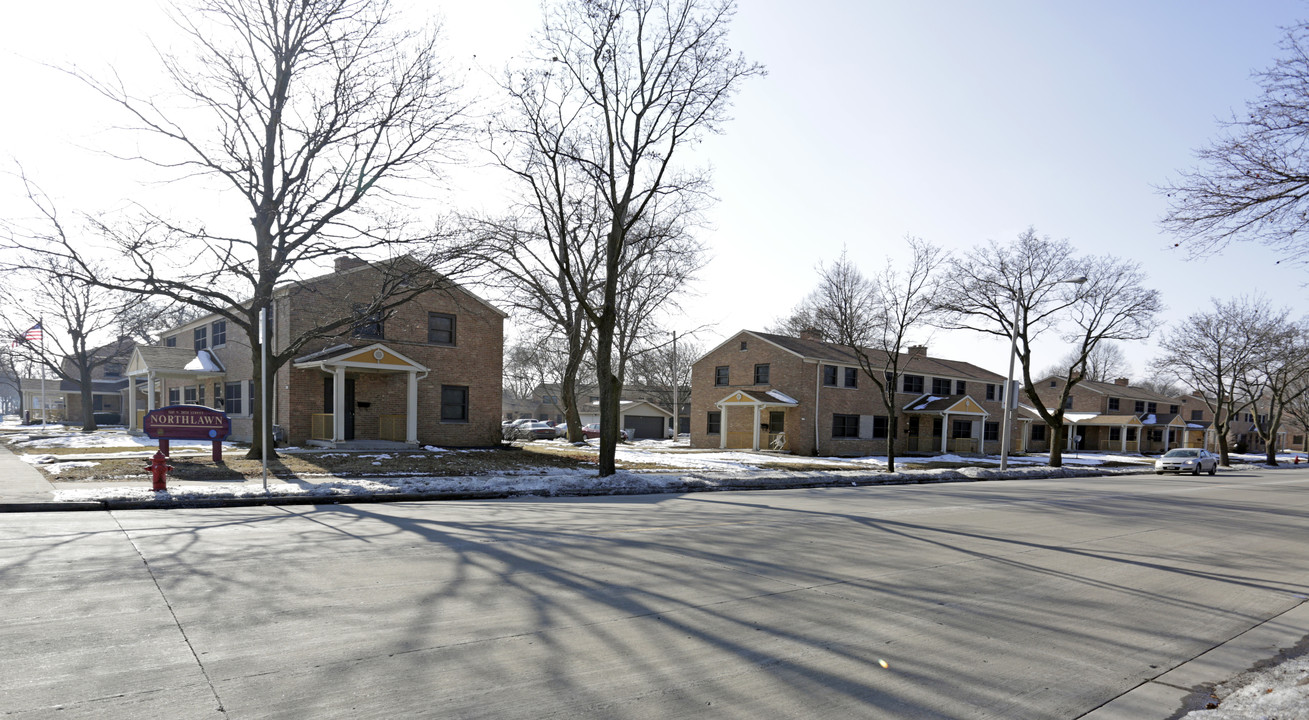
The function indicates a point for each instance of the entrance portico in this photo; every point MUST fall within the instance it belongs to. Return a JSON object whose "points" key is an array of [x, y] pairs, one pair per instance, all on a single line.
{"points": [[756, 402], [345, 364], [152, 370]]}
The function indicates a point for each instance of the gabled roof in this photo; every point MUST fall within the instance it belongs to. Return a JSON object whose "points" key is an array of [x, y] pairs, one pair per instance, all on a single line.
{"points": [[1115, 390], [376, 356], [68, 386], [770, 398], [934, 404], [817, 350], [177, 360]]}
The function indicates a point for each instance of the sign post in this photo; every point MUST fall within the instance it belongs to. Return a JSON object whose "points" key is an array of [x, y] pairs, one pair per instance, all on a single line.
{"points": [[188, 422]]}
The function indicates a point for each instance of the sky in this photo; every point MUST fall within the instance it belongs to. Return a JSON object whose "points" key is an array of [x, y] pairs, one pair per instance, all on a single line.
{"points": [[958, 122]]}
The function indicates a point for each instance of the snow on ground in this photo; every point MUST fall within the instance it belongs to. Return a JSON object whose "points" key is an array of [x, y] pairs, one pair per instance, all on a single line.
{"points": [[1278, 692], [117, 437]]}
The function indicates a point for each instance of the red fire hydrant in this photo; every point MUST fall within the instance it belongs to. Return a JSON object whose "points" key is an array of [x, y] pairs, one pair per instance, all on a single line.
{"points": [[159, 468], [1297, 459]]}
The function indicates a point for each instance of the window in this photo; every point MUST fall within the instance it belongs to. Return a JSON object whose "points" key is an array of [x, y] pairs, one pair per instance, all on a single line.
{"points": [[961, 428], [113, 370], [845, 426], [990, 391], [761, 374], [721, 375], [1151, 408], [991, 431], [829, 375], [367, 325], [174, 396], [218, 396], [1197, 414], [1131, 434], [745, 345], [440, 329], [1113, 404], [1115, 433], [1054, 383], [201, 338], [960, 387], [232, 399], [218, 332], [189, 395], [714, 424], [852, 377], [454, 403], [253, 397], [1172, 409], [879, 426], [171, 341], [913, 425], [1038, 433], [1156, 436], [1068, 403], [1297, 439], [1140, 406], [200, 395], [936, 427], [913, 383], [940, 386]]}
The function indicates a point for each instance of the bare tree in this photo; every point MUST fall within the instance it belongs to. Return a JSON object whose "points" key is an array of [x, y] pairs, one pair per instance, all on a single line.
{"points": [[1033, 284], [1105, 363], [316, 115], [1278, 376], [876, 318], [664, 371], [1252, 181], [638, 82], [1212, 352], [1162, 384]]}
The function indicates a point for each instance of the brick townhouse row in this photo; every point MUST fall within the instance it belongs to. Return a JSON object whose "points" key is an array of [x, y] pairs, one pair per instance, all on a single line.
{"points": [[427, 372]]}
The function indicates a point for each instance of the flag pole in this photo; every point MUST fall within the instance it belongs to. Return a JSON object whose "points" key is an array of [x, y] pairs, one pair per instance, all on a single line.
{"points": [[45, 408]]}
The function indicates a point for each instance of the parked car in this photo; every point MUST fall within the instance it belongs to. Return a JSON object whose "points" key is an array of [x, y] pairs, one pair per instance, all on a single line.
{"points": [[592, 431], [1192, 460], [510, 429], [535, 431]]}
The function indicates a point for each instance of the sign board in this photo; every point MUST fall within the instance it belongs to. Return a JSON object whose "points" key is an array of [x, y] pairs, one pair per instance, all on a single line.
{"points": [[187, 422]]}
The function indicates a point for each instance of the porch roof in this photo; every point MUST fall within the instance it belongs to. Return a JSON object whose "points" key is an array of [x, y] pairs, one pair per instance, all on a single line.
{"points": [[1114, 420], [173, 361], [941, 405], [369, 358], [748, 398]]}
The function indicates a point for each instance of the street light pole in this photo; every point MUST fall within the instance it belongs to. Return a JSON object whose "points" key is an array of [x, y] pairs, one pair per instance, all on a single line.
{"points": [[1010, 396]]}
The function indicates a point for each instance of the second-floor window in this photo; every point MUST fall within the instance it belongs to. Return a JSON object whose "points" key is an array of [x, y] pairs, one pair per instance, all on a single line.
{"points": [[170, 341], [1197, 414], [1113, 404], [218, 333], [722, 375], [940, 386], [1140, 406], [761, 374], [201, 338], [440, 328], [1172, 409], [829, 375], [960, 387], [367, 325], [913, 383], [852, 377], [1150, 408]]}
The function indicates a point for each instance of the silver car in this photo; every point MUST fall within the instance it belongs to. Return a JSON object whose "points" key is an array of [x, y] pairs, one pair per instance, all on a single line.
{"points": [[1192, 460]]}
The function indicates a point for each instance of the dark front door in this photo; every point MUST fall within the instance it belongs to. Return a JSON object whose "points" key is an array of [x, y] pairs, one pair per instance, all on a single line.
{"points": [[328, 391]]}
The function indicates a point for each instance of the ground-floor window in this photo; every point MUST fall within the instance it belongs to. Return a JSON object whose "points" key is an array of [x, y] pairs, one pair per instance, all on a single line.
{"points": [[454, 403], [879, 426], [714, 423], [174, 396], [1297, 439], [218, 396], [938, 426], [232, 404], [961, 429], [1115, 434], [845, 426], [1038, 433], [189, 395], [991, 431], [1131, 434]]}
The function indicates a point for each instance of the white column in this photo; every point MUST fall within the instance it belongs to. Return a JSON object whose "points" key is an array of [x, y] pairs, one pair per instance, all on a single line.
{"points": [[338, 405], [411, 410], [1124, 438], [945, 433], [149, 391], [722, 427], [1167, 434], [131, 403], [756, 427]]}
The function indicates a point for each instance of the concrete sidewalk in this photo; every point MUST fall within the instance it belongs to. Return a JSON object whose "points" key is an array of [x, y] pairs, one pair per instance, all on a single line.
{"points": [[22, 485]]}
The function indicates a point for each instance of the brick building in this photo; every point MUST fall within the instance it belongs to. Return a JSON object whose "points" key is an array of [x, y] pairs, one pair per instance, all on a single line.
{"points": [[425, 373], [1118, 417], [809, 397]]}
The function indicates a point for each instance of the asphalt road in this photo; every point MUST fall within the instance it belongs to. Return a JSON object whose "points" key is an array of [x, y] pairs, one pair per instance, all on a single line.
{"points": [[1017, 599]]}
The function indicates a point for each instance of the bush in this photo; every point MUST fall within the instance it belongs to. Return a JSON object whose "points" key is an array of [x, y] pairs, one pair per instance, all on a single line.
{"points": [[108, 418]]}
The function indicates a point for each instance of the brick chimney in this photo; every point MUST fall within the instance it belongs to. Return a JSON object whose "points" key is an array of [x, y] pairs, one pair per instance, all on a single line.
{"points": [[811, 334], [1120, 381], [918, 351], [345, 262]]}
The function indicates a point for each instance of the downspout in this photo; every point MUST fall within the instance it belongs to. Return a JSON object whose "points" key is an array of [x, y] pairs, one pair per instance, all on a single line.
{"points": [[818, 387]]}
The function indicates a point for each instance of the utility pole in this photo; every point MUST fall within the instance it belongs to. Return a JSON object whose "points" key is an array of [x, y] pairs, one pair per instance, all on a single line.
{"points": [[677, 408]]}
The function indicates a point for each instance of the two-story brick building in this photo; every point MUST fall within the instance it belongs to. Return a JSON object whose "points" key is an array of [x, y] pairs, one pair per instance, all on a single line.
{"points": [[760, 390], [425, 373], [1118, 417]]}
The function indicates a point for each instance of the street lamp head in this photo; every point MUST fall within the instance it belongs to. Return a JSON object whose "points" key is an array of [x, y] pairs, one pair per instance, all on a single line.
{"points": [[1075, 281]]}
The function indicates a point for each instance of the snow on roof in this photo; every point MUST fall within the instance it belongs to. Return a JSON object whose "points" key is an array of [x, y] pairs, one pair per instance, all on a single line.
{"points": [[1076, 417], [779, 395], [928, 399], [204, 362], [1150, 419]]}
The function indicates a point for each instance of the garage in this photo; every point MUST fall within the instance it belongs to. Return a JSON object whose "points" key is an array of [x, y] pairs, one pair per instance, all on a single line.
{"points": [[643, 427]]}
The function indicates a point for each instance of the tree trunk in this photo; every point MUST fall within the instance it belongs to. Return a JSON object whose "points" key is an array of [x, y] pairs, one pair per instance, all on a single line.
{"points": [[1057, 432], [568, 394], [610, 388], [1221, 432], [88, 404], [892, 427]]}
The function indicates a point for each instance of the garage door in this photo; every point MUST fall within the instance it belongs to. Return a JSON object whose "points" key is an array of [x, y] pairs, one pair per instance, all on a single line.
{"points": [[643, 426]]}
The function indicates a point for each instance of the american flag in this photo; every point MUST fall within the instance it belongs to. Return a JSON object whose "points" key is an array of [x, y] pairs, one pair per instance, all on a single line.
{"points": [[33, 335]]}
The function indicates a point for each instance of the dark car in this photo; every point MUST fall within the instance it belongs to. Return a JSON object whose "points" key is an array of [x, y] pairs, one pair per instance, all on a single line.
{"points": [[535, 431], [592, 431]]}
